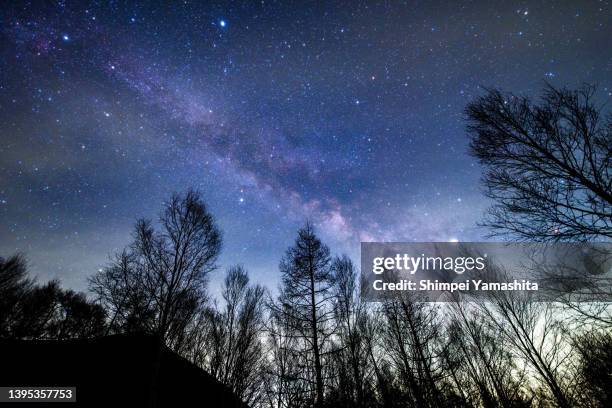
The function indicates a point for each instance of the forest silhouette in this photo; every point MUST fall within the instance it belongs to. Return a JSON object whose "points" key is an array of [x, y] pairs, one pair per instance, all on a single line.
{"points": [[149, 321]]}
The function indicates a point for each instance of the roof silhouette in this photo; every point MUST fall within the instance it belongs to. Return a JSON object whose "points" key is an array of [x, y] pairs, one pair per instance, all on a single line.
{"points": [[108, 371]]}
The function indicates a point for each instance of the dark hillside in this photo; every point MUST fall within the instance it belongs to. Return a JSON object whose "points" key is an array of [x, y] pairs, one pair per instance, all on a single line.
{"points": [[111, 371]]}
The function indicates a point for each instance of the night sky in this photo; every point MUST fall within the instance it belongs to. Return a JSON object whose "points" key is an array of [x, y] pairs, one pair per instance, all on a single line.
{"points": [[350, 115]]}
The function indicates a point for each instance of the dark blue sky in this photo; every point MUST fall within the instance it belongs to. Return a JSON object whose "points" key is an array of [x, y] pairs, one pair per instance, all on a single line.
{"points": [[349, 114]]}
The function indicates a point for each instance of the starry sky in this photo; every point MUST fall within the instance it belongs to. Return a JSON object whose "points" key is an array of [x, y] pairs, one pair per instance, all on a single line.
{"points": [[349, 114]]}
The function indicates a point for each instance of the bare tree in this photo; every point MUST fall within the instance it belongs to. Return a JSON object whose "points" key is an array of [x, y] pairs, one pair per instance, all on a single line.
{"points": [[14, 287], [237, 357], [76, 317], [548, 165], [411, 336], [548, 170], [595, 368], [118, 288], [532, 332], [162, 275], [305, 296], [286, 385], [479, 361], [386, 390], [33, 311], [354, 374]]}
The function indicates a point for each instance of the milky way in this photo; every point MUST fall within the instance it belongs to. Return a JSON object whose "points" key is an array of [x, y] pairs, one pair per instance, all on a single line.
{"points": [[350, 115]]}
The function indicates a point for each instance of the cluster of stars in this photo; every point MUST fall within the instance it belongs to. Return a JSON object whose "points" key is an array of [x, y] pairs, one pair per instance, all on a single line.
{"points": [[349, 116]]}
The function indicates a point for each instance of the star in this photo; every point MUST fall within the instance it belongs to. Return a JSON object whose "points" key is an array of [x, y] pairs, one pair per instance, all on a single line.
{"points": [[299, 99]]}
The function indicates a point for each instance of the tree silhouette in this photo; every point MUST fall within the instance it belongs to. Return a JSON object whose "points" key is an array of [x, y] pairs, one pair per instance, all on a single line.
{"points": [[285, 386], [531, 330], [119, 288], [160, 279], [318, 344], [353, 373], [480, 362], [411, 336], [305, 294], [31, 311], [595, 368], [548, 165], [231, 347], [14, 287]]}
